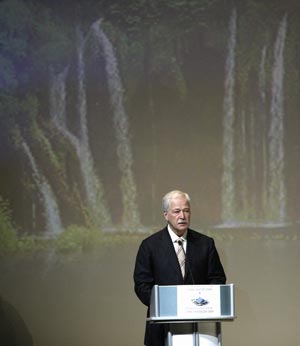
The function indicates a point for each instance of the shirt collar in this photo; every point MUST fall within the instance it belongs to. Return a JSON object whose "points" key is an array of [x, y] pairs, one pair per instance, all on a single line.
{"points": [[174, 236]]}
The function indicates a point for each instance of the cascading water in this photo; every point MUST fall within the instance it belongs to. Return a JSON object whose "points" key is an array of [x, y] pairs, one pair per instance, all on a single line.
{"points": [[228, 188], [93, 187], [277, 190], [57, 104], [82, 92], [241, 159], [52, 216], [130, 219], [262, 76], [264, 143], [253, 183]]}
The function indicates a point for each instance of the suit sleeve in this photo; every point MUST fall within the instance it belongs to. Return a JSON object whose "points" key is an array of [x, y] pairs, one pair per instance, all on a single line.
{"points": [[216, 274], [143, 274]]}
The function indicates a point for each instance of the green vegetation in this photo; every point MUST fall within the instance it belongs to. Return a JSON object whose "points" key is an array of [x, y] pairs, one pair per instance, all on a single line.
{"points": [[8, 237], [76, 239]]}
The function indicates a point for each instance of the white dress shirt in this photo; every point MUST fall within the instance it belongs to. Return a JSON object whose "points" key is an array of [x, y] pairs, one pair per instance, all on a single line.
{"points": [[175, 238]]}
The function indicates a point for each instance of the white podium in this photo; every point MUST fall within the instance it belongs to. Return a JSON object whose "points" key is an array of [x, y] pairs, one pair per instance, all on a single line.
{"points": [[192, 314]]}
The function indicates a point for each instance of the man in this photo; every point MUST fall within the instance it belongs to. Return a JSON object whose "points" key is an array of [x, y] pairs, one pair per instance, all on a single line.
{"points": [[157, 262]]}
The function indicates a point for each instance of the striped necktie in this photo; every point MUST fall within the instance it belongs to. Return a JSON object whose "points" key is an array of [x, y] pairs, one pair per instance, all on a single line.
{"points": [[181, 256]]}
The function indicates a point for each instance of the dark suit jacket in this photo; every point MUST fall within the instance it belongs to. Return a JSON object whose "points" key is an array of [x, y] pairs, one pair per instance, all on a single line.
{"points": [[157, 264]]}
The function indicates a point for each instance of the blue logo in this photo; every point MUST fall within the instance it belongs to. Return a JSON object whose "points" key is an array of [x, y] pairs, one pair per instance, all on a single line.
{"points": [[199, 301]]}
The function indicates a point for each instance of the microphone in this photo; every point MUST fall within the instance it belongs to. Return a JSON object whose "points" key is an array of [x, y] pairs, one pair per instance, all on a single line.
{"points": [[180, 243]]}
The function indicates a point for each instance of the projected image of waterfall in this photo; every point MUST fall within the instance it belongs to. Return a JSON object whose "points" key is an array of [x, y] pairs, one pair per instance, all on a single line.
{"points": [[130, 218], [228, 192], [277, 189], [93, 187], [253, 182], [51, 211]]}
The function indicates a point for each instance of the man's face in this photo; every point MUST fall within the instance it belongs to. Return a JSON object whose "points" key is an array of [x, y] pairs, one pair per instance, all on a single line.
{"points": [[178, 215]]}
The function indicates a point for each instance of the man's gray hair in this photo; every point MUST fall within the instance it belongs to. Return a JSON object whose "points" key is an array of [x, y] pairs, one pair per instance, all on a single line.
{"points": [[173, 194]]}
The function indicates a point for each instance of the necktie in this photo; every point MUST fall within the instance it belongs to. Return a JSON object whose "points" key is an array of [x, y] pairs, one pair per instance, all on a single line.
{"points": [[181, 256]]}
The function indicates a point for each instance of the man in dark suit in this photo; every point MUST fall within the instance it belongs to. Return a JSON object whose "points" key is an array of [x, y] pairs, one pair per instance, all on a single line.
{"points": [[158, 264]]}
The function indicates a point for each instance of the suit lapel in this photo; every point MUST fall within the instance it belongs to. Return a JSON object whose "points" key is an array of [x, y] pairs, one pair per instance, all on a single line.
{"points": [[169, 252], [190, 245], [190, 254]]}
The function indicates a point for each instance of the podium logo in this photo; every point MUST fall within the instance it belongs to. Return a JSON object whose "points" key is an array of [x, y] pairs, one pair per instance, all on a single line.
{"points": [[199, 301]]}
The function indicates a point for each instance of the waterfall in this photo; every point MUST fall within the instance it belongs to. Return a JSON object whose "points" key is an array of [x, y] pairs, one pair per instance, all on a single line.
{"points": [[228, 189], [130, 217], [262, 76], [277, 190], [53, 221], [242, 160], [251, 212], [264, 143], [58, 99], [245, 168], [253, 159], [93, 186], [82, 93]]}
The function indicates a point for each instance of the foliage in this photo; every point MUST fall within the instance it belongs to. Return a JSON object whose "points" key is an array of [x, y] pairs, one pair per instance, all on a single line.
{"points": [[45, 144], [8, 237], [137, 14], [14, 21], [76, 239], [31, 38], [27, 244]]}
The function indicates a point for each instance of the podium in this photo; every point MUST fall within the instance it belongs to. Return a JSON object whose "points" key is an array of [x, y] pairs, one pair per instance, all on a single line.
{"points": [[192, 314]]}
